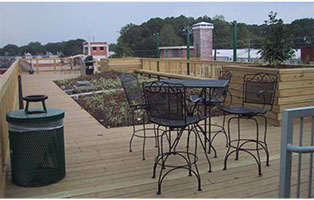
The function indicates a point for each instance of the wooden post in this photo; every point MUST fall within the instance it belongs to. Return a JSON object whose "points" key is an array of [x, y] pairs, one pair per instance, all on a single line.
{"points": [[207, 71], [71, 64], [37, 66], [54, 65], [213, 71]]}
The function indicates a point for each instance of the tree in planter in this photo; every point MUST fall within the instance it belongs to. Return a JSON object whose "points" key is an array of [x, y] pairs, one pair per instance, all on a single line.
{"points": [[278, 45]]}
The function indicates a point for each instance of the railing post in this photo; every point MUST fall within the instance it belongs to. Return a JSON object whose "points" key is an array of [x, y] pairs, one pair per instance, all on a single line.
{"points": [[71, 64], [54, 65], [21, 105], [285, 156], [37, 66]]}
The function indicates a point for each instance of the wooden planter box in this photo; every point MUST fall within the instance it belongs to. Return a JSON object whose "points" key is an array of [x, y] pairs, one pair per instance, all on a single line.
{"points": [[121, 64], [295, 88]]}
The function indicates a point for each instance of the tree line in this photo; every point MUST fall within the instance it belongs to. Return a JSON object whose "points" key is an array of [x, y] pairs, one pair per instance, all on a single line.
{"points": [[65, 48], [140, 40]]}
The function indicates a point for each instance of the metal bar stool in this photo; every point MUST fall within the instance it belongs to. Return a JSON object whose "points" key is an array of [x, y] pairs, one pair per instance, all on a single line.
{"points": [[134, 95], [259, 90], [167, 108]]}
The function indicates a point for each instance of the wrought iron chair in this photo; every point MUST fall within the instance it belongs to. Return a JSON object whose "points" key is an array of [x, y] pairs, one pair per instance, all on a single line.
{"points": [[258, 89], [134, 95], [168, 109], [216, 100]]}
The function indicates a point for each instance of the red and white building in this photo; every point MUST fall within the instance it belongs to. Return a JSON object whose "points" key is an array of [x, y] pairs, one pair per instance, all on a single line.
{"points": [[96, 49]]}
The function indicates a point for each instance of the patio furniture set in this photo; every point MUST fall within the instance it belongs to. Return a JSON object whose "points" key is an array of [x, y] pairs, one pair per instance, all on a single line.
{"points": [[174, 113]]}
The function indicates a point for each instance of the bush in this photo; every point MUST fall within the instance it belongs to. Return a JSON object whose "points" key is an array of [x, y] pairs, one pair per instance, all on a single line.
{"points": [[278, 45]]}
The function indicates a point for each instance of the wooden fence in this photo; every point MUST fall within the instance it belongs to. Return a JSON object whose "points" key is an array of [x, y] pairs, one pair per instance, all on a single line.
{"points": [[48, 64], [121, 64], [8, 102]]}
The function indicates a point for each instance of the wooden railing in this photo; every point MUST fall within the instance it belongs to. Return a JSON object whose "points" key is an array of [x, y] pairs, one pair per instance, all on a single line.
{"points": [[8, 102], [197, 68], [48, 64]]}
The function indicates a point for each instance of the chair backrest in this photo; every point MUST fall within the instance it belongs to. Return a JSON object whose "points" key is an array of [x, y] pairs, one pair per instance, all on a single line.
{"points": [[224, 75], [259, 88], [132, 89], [165, 101]]}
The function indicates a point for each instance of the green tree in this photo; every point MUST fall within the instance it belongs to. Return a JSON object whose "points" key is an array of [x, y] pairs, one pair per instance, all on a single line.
{"points": [[168, 37], [244, 36], [10, 50], [112, 47], [222, 33], [73, 47], [35, 48], [303, 32], [278, 43]]}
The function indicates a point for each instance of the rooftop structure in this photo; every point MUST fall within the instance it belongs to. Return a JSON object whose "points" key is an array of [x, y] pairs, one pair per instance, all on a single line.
{"points": [[96, 49], [203, 44]]}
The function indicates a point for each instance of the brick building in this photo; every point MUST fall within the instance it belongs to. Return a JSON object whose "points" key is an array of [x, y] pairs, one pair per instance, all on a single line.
{"points": [[307, 54], [96, 49], [202, 48]]}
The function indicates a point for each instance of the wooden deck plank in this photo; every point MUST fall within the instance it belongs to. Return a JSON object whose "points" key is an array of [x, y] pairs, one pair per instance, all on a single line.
{"points": [[99, 164]]}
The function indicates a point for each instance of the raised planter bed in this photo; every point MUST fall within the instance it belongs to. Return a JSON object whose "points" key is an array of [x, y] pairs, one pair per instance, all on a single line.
{"points": [[110, 107], [295, 87]]}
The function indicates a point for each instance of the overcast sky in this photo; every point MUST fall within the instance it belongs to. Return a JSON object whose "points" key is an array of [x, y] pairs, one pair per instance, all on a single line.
{"points": [[21, 23]]}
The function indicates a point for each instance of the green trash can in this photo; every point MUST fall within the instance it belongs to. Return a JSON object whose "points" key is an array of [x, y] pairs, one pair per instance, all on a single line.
{"points": [[36, 144]]}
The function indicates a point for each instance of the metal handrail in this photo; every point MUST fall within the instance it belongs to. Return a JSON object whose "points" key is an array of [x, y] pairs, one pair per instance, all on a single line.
{"points": [[300, 149]]}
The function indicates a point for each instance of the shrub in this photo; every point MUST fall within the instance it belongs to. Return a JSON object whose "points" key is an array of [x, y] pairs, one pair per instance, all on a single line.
{"points": [[277, 46]]}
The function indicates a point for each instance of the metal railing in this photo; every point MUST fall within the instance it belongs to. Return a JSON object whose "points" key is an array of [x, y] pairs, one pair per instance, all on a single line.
{"points": [[287, 148]]}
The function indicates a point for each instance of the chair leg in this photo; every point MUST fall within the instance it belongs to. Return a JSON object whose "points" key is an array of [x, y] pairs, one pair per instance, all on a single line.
{"points": [[257, 148], [228, 153], [158, 153], [266, 147], [155, 134], [187, 150], [223, 127], [132, 137], [238, 143], [144, 139], [203, 146]]}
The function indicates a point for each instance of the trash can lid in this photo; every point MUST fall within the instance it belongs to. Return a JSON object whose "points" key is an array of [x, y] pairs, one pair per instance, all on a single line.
{"points": [[52, 114]]}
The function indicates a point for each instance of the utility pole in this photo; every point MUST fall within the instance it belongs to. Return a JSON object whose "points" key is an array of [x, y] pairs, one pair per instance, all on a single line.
{"points": [[157, 50], [188, 32], [234, 41], [215, 54], [249, 52]]}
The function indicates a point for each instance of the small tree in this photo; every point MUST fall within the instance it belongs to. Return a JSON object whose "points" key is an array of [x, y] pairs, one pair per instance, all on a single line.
{"points": [[278, 45]]}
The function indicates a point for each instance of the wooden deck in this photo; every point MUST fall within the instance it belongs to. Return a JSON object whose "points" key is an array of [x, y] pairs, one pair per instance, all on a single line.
{"points": [[99, 165]]}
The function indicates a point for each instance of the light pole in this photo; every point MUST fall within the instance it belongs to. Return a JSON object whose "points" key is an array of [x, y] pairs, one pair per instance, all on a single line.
{"points": [[157, 50], [234, 41], [187, 32]]}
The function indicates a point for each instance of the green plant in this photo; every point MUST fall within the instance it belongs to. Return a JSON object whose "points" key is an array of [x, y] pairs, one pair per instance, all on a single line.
{"points": [[105, 84], [277, 46]]}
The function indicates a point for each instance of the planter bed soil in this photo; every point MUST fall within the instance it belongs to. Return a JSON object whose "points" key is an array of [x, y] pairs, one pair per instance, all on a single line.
{"points": [[111, 109]]}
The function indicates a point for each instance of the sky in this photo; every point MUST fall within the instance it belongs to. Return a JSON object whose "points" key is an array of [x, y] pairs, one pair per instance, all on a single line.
{"points": [[24, 22]]}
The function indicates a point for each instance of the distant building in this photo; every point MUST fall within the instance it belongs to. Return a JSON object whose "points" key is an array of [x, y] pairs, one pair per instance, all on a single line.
{"points": [[96, 49], [175, 52], [203, 44], [250, 55], [307, 55]]}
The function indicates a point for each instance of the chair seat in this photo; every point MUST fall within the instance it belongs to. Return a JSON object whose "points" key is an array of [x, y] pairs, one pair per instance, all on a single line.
{"points": [[212, 100], [176, 123], [246, 111]]}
